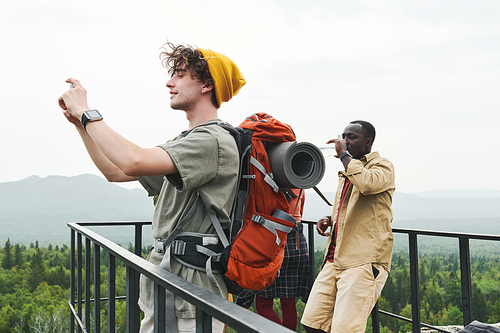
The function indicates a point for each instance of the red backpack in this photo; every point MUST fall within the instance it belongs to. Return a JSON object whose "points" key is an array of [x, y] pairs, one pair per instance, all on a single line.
{"points": [[255, 254], [251, 250]]}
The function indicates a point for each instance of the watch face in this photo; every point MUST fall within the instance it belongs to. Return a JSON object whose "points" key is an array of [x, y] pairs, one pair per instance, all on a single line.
{"points": [[92, 114]]}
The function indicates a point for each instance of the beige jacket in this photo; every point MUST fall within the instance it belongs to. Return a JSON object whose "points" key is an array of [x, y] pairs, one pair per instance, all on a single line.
{"points": [[364, 226]]}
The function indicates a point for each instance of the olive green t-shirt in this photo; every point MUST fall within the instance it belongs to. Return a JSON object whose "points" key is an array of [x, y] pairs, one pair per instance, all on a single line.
{"points": [[207, 163]]}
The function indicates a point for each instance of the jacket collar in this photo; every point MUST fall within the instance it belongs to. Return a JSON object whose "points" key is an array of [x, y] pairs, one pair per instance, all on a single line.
{"points": [[370, 156]]}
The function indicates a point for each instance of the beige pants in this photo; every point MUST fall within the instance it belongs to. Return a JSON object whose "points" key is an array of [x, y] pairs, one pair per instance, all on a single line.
{"points": [[341, 300], [183, 325]]}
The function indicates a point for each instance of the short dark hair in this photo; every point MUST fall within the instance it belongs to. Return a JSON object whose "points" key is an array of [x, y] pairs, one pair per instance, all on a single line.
{"points": [[368, 128], [193, 59]]}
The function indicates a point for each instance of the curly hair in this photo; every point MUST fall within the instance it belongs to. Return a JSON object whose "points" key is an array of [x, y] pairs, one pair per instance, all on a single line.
{"points": [[190, 56]]}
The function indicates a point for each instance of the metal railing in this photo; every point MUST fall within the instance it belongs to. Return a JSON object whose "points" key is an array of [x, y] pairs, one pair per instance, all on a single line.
{"points": [[209, 305], [465, 269]]}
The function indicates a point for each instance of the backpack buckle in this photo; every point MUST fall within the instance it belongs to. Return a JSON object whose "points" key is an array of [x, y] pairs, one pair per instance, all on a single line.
{"points": [[178, 247], [158, 245], [258, 219]]}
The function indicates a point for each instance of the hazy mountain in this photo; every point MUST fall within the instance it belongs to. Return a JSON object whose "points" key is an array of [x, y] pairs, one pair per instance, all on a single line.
{"points": [[467, 213], [39, 208], [476, 193], [411, 207], [461, 214]]}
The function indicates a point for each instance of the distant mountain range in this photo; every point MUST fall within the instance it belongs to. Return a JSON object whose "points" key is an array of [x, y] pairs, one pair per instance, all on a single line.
{"points": [[411, 206], [464, 211], [39, 208], [476, 193]]}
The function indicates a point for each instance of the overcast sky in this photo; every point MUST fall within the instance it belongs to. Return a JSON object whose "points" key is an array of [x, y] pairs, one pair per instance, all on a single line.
{"points": [[426, 74]]}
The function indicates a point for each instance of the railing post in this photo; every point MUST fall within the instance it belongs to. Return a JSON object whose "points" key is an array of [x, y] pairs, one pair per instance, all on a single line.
{"points": [[97, 288], [133, 312], [72, 279], [375, 319], [415, 291], [87, 283], [111, 293], [79, 279], [312, 269], [138, 240], [137, 275], [159, 308], [203, 322], [465, 278]]}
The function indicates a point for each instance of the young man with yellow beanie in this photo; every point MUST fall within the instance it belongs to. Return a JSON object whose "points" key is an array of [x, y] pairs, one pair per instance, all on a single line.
{"points": [[203, 163]]}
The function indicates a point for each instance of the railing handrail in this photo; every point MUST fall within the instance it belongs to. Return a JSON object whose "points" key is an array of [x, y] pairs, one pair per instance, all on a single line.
{"points": [[447, 234], [436, 233]]}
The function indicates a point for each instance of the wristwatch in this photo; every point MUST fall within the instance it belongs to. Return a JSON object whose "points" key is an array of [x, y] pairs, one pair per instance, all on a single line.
{"points": [[344, 154], [90, 115]]}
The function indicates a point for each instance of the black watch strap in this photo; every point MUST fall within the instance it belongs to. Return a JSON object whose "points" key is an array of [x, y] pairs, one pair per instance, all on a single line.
{"points": [[344, 154]]}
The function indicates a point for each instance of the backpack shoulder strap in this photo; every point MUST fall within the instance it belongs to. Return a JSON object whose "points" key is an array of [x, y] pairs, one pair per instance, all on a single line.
{"points": [[168, 241], [217, 225]]}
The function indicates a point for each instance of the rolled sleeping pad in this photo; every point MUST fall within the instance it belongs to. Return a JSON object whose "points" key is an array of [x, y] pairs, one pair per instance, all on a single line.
{"points": [[296, 164], [284, 216]]}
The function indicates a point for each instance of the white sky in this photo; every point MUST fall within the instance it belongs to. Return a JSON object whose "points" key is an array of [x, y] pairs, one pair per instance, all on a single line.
{"points": [[425, 73]]}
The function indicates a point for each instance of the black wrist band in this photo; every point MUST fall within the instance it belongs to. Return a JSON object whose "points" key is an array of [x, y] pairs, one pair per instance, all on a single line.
{"points": [[344, 154]]}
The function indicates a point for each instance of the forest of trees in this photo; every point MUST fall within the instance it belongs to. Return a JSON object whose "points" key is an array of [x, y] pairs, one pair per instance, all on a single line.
{"points": [[34, 289]]}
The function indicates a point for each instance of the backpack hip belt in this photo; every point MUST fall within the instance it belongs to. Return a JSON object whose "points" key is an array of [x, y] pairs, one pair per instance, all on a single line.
{"points": [[178, 246]]}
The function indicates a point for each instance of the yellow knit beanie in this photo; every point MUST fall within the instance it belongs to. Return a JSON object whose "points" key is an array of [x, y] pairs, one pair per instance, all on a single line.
{"points": [[228, 79]]}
